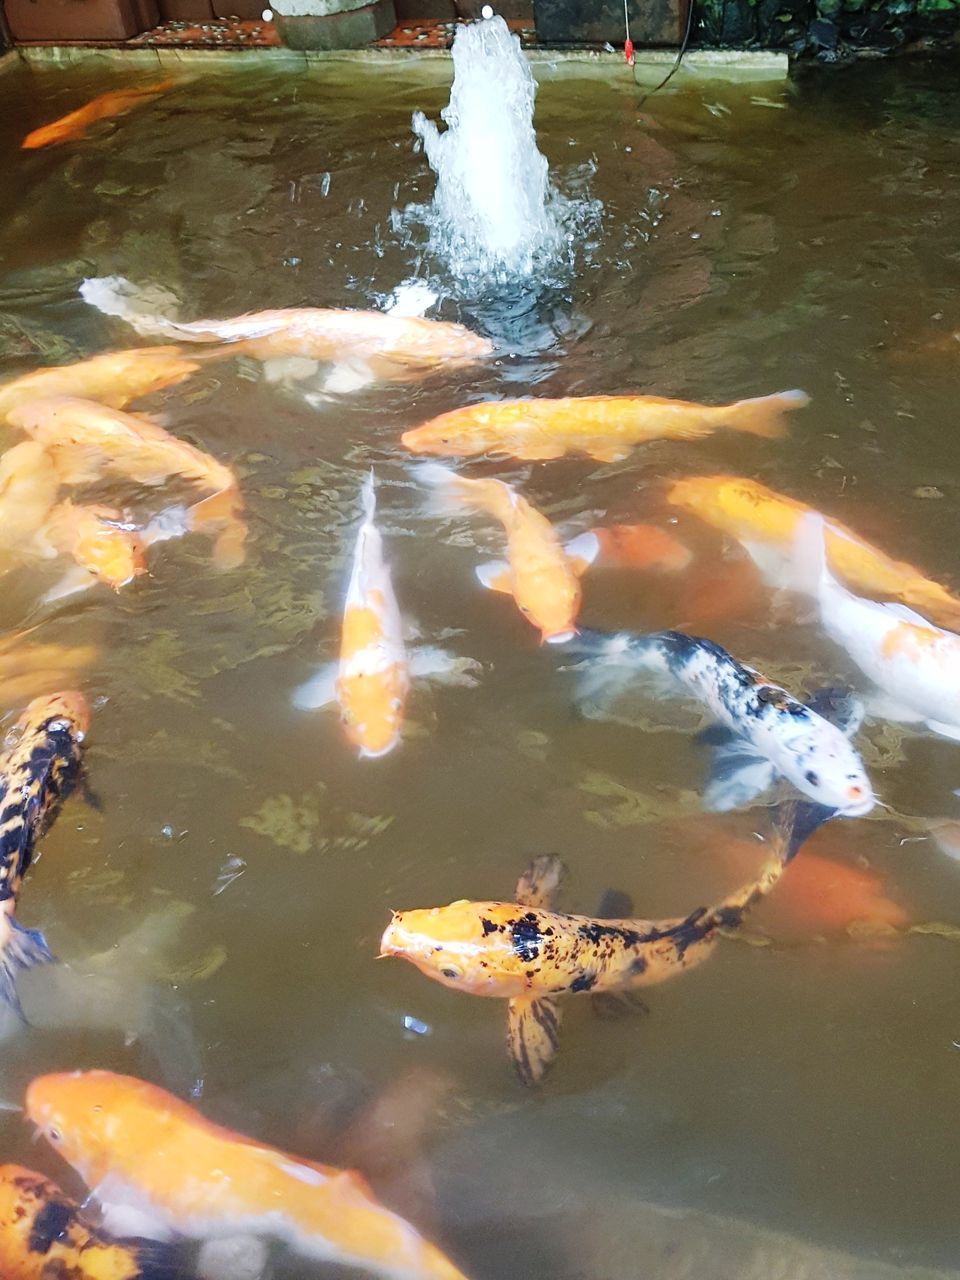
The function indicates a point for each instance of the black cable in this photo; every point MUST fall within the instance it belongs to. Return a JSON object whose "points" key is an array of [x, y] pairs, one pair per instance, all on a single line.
{"points": [[682, 50]]}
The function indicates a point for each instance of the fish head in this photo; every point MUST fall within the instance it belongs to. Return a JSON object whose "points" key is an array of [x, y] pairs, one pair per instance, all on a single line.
{"points": [[481, 948], [76, 1113], [432, 342], [462, 431], [550, 600], [829, 770], [114, 554], [371, 702], [68, 710]]}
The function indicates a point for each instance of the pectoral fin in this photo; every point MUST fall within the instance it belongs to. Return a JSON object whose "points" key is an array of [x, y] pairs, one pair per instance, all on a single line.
{"points": [[737, 776], [946, 730], [540, 883], [344, 378], [582, 551], [319, 691], [532, 1036], [496, 576], [613, 453], [427, 662]]}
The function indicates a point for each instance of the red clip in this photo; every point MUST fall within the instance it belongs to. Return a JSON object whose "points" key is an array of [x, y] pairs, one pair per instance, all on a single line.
{"points": [[628, 51]]}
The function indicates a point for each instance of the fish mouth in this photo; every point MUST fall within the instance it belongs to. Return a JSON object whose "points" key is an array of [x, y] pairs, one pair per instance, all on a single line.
{"points": [[857, 808], [560, 637]]}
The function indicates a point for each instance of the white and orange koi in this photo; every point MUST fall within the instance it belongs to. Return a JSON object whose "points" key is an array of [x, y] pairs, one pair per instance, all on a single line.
{"points": [[914, 664], [371, 683], [365, 346], [85, 439], [541, 574], [159, 1168]]}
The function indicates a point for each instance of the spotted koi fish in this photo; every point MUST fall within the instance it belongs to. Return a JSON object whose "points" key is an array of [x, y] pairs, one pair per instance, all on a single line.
{"points": [[914, 664], [772, 730], [43, 1237], [529, 954], [40, 766], [159, 1167], [603, 427]]}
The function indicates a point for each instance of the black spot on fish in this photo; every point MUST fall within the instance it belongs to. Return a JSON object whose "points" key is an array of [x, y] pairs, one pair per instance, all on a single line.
{"points": [[812, 778], [488, 926], [584, 982], [639, 965], [526, 937], [49, 1226], [595, 932]]}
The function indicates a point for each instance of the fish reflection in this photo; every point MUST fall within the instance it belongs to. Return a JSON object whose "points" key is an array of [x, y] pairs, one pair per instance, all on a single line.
{"points": [[603, 427], [43, 1237], [104, 107], [159, 1168]]}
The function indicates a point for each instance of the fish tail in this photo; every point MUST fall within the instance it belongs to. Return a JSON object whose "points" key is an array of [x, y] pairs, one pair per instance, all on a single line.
{"points": [[762, 415], [449, 494], [144, 307], [154, 1259], [20, 948], [810, 554], [221, 512], [368, 497]]}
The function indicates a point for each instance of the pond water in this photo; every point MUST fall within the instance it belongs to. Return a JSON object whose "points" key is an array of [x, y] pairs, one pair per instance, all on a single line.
{"points": [[752, 239]]}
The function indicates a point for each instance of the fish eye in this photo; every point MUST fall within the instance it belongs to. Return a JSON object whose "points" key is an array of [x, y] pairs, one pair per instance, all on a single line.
{"points": [[54, 1134], [812, 778], [450, 971]]}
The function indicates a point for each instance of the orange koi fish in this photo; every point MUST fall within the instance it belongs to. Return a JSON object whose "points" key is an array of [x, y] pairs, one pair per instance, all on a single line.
{"points": [[39, 768], [157, 1166], [540, 573], [366, 345], [104, 547], [113, 379], [43, 1237], [372, 681], [85, 438], [604, 427], [29, 485], [766, 523], [529, 954], [640, 546], [104, 107], [27, 666]]}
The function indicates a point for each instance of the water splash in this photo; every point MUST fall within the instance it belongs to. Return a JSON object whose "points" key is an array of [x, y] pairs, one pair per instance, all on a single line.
{"points": [[494, 211]]}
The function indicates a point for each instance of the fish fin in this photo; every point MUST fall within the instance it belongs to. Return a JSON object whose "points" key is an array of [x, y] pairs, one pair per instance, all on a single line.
{"points": [[172, 522], [810, 555], [75, 579], [610, 453], [128, 1221], [368, 496], [142, 306], [615, 904], [532, 1036], [737, 776], [319, 691], [762, 415], [428, 662], [279, 369], [495, 575], [411, 299], [945, 730], [582, 551], [540, 882], [344, 378], [798, 821], [239, 1257], [715, 735], [905, 613], [880, 706], [220, 510], [611, 1006], [529, 451], [159, 1260], [20, 948], [443, 501]]}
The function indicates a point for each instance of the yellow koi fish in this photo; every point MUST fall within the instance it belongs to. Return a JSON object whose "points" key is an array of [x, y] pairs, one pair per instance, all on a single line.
{"points": [[766, 524], [43, 1237], [105, 547], [29, 486], [529, 954], [540, 573], [365, 345], [603, 427], [113, 379], [372, 681], [39, 768], [156, 1165], [104, 107], [86, 439]]}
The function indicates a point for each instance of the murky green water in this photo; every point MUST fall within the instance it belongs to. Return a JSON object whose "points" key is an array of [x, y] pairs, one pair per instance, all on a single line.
{"points": [[754, 239]]}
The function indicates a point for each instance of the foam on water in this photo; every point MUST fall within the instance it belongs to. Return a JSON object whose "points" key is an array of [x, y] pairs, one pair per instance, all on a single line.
{"points": [[494, 211]]}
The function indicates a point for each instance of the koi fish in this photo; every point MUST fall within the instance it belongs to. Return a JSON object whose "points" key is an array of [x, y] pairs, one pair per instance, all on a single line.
{"points": [[766, 730], [766, 524], [603, 427], [40, 766], [113, 379], [85, 438], [371, 683], [43, 1236], [529, 954], [541, 574], [640, 546], [28, 666], [158, 1166], [364, 345], [104, 107], [105, 548], [914, 664], [29, 486]]}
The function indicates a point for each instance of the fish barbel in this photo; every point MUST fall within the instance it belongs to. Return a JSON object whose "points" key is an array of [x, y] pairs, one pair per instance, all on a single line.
{"points": [[158, 1167], [604, 427]]}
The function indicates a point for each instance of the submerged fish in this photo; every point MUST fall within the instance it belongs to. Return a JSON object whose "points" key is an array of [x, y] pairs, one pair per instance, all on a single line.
{"points": [[104, 107], [915, 664], [604, 427], [371, 682], [86, 438], [40, 766], [365, 345], [113, 379], [541, 574], [43, 1237], [766, 523], [157, 1167], [29, 487], [768, 731], [528, 953], [640, 546], [106, 549], [28, 666]]}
